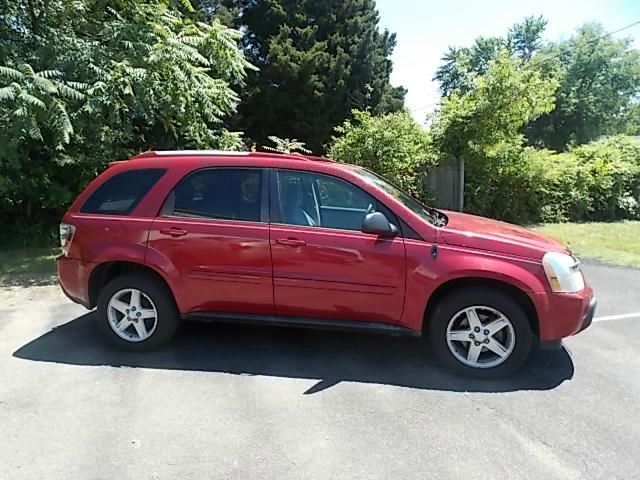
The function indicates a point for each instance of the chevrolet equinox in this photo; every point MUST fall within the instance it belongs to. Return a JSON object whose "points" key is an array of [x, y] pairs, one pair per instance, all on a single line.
{"points": [[283, 239]]}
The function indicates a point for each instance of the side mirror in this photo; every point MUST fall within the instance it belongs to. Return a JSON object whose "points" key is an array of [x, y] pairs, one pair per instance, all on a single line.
{"points": [[377, 223]]}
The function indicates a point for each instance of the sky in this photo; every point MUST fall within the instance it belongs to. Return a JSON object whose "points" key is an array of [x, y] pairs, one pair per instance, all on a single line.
{"points": [[425, 29]]}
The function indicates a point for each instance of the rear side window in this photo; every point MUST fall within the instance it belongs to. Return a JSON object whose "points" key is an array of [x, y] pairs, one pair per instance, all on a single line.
{"points": [[224, 193], [121, 193]]}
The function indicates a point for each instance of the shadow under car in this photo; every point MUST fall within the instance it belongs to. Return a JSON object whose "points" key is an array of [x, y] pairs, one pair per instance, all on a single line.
{"points": [[327, 356]]}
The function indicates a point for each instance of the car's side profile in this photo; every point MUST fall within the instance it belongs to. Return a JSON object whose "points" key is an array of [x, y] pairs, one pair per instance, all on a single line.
{"points": [[297, 240]]}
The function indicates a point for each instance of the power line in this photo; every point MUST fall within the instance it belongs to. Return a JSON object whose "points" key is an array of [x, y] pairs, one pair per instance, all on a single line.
{"points": [[426, 106], [585, 44]]}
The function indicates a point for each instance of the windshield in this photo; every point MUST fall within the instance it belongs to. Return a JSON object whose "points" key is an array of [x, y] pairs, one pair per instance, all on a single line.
{"points": [[431, 215]]}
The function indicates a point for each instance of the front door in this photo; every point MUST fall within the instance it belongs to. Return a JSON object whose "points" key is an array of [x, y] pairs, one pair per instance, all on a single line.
{"points": [[324, 266], [213, 231]]}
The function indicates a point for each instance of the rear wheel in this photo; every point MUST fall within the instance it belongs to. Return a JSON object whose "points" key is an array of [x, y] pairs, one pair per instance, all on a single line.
{"points": [[136, 312], [480, 332]]}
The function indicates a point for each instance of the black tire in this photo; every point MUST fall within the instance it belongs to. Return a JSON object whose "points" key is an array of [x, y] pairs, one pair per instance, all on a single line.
{"points": [[168, 319], [458, 300]]}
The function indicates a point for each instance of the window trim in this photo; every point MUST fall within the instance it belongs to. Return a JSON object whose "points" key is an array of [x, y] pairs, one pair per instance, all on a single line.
{"points": [[276, 212], [136, 202], [264, 197]]}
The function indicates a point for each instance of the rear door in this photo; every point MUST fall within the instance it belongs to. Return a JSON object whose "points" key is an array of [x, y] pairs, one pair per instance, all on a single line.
{"points": [[324, 266], [213, 230]]}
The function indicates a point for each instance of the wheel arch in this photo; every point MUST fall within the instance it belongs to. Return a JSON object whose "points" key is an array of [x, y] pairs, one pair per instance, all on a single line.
{"points": [[519, 295], [103, 273]]}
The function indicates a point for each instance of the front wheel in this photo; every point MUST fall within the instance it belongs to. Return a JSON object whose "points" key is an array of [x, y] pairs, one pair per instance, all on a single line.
{"points": [[137, 312], [480, 332]]}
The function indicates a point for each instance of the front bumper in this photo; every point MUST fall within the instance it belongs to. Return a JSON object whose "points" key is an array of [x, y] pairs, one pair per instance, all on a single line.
{"points": [[561, 315], [585, 323], [588, 316]]}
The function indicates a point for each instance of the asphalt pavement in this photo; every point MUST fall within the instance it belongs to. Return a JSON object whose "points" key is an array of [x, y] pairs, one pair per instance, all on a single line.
{"points": [[239, 402]]}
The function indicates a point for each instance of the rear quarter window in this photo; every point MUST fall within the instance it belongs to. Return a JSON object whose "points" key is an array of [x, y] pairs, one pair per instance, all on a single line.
{"points": [[120, 194]]}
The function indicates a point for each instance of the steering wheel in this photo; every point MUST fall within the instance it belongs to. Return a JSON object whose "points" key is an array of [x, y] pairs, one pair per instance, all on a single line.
{"points": [[370, 209]]}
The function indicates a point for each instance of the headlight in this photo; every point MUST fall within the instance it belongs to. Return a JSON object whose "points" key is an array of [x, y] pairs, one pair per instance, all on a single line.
{"points": [[563, 272]]}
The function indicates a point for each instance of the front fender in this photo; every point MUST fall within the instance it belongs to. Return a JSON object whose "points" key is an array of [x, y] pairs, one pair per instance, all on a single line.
{"points": [[427, 273]]}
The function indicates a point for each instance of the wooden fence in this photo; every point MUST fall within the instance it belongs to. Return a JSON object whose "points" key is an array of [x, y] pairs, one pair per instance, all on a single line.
{"points": [[446, 182]]}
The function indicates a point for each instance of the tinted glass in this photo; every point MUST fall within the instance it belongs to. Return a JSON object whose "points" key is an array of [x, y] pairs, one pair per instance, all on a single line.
{"points": [[430, 214], [225, 193], [333, 192], [316, 200], [297, 204], [121, 193]]}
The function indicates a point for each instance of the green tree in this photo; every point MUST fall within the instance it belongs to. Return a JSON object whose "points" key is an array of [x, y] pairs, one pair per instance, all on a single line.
{"points": [[85, 82], [525, 38], [599, 79], [460, 65], [493, 111], [483, 125], [393, 145], [317, 61]]}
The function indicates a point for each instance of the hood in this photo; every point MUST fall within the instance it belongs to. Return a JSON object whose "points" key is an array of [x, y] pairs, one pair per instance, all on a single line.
{"points": [[471, 231]]}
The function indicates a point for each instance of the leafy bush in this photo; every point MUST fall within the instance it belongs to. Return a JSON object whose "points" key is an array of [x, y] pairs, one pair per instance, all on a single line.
{"points": [[612, 169], [505, 183], [84, 84], [393, 145], [599, 181]]}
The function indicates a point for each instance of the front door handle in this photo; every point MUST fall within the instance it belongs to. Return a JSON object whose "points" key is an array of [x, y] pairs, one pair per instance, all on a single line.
{"points": [[291, 242], [173, 231]]}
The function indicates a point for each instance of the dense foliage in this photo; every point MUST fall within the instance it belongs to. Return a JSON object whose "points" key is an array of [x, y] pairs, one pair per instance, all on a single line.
{"points": [[599, 83], [598, 80], [317, 61], [85, 82], [393, 145], [492, 111], [593, 182], [504, 98]]}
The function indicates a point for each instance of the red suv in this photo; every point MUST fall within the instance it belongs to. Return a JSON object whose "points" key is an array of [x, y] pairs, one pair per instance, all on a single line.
{"points": [[297, 240]]}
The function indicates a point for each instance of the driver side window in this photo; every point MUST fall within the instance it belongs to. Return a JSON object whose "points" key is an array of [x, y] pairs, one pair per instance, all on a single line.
{"points": [[311, 199]]}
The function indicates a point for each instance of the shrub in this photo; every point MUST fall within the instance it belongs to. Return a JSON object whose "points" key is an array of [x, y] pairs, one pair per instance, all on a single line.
{"points": [[612, 167], [393, 145], [594, 182]]}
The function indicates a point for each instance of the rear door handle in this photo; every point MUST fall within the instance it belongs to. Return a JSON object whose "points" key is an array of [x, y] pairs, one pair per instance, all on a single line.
{"points": [[173, 231], [291, 242]]}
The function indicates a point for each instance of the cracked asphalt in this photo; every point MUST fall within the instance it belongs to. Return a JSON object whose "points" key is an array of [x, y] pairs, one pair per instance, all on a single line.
{"points": [[226, 401]]}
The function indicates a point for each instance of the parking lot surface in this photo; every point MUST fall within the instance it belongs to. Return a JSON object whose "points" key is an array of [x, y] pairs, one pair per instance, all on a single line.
{"points": [[226, 401]]}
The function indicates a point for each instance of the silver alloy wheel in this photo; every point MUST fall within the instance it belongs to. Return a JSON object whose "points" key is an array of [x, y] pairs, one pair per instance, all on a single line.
{"points": [[132, 315], [480, 336]]}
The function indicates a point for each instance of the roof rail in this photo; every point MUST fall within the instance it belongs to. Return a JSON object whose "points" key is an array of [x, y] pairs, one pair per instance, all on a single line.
{"points": [[292, 156], [169, 153]]}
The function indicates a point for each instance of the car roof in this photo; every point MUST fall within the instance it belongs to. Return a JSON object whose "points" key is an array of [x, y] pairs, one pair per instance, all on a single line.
{"points": [[192, 159]]}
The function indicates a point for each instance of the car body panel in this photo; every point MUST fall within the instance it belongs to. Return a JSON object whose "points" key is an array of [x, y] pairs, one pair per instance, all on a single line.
{"points": [[220, 266], [481, 233], [227, 265], [562, 314], [73, 276], [426, 273], [338, 274]]}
